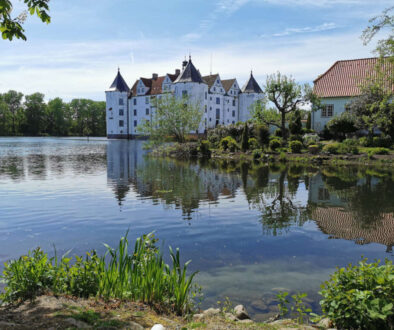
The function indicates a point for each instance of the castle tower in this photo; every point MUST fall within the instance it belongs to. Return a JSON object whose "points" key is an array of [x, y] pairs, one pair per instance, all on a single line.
{"points": [[251, 92], [117, 110]]}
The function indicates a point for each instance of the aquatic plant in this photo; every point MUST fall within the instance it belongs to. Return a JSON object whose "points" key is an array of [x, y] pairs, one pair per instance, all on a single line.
{"points": [[138, 275]]}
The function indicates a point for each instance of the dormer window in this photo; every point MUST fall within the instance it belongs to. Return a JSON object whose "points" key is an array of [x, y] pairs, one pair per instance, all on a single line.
{"points": [[214, 89], [217, 81]]}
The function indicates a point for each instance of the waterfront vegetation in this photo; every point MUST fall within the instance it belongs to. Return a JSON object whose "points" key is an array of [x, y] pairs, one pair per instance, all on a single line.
{"points": [[30, 115]]}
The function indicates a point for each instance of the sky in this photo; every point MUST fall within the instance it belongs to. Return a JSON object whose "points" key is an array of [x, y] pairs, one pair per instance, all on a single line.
{"points": [[77, 55]]}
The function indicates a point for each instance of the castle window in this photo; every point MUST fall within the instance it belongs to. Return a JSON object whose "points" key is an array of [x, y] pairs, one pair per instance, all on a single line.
{"points": [[233, 113], [121, 123], [328, 110], [146, 100], [210, 119], [135, 101], [121, 112], [210, 108], [135, 123], [120, 101], [205, 109], [206, 95], [233, 103], [218, 100], [217, 113], [135, 112], [147, 111]]}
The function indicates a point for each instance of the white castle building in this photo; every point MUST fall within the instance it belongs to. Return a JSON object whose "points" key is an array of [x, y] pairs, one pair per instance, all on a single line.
{"points": [[223, 102]]}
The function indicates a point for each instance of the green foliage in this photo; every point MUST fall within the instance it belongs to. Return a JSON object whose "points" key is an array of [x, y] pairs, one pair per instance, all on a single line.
{"points": [[313, 149], [11, 27], [282, 157], [253, 144], [262, 134], [378, 151], [172, 117], [309, 139], [140, 275], [245, 138], [309, 120], [347, 147], [295, 125], [256, 154], [275, 144], [204, 148], [296, 307], [228, 143], [360, 297], [295, 146], [341, 125], [226, 306]]}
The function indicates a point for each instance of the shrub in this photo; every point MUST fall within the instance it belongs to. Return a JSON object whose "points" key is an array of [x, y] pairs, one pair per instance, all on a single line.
{"points": [[341, 125], [262, 135], [253, 144], [331, 148], [308, 139], [325, 134], [360, 297], [204, 148], [228, 143], [256, 154], [245, 138], [365, 141], [348, 146], [275, 144], [278, 132], [378, 151], [313, 149], [295, 147], [382, 141]]}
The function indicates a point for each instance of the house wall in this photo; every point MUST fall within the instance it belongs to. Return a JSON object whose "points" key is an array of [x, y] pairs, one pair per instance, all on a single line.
{"points": [[318, 121], [246, 101], [114, 116]]}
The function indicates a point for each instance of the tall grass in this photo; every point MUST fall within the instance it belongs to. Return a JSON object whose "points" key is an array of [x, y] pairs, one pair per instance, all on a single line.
{"points": [[139, 275]]}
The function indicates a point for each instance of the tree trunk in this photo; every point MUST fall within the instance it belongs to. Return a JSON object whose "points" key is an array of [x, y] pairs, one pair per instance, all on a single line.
{"points": [[283, 126]]}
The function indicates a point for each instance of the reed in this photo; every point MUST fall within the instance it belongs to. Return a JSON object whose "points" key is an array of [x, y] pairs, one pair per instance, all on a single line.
{"points": [[138, 275]]}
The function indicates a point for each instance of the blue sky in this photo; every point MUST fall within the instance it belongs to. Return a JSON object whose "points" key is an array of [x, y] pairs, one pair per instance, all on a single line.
{"points": [[77, 55]]}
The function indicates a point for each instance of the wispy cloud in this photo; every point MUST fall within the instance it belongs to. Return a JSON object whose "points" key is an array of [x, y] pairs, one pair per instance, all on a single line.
{"points": [[307, 29]]}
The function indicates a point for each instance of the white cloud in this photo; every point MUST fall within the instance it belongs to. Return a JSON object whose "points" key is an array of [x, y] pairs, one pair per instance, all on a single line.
{"points": [[307, 29], [72, 70]]}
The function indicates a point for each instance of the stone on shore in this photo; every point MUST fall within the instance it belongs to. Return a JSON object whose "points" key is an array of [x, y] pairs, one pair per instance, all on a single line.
{"points": [[158, 327], [211, 311], [241, 313], [231, 317]]}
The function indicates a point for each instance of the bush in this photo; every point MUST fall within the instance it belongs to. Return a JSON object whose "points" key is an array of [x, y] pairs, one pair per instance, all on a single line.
{"points": [[262, 135], [348, 146], [313, 149], [331, 148], [365, 141], [378, 151], [253, 144], [360, 297], [118, 274], [309, 139], [204, 148], [382, 141], [341, 125], [256, 154], [295, 147], [295, 125], [278, 132], [228, 143], [245, 138], [275, 144]]}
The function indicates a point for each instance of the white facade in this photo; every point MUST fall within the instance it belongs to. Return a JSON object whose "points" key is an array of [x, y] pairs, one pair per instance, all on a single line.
{"points": [[333, 106], [222, 102]]}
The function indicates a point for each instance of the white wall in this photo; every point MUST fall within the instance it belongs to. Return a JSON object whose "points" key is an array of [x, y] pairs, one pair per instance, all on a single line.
{"points": [[113, 116], [318, 122]]}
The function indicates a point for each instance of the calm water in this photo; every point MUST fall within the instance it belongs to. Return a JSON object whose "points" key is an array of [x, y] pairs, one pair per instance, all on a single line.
{"points": [[251, 231]]}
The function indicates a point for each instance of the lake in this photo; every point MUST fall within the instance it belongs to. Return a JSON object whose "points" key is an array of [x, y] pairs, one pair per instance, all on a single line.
{"points": [[249, 230]]}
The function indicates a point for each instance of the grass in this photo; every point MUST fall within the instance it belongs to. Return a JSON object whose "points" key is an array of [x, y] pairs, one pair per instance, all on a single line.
{"points": [[136, 275]]}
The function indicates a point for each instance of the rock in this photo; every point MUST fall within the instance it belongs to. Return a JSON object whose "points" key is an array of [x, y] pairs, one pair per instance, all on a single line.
{"points": [[241, 313], [211, 311], [230, 317], [325, 323], [158, 327], [198, 317], [134, 326], [245, 321], [76, 323], [6, 325]]}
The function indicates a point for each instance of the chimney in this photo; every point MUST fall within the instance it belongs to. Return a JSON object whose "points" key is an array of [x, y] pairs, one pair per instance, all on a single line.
{"points": [[177, 72], [155, 76]]}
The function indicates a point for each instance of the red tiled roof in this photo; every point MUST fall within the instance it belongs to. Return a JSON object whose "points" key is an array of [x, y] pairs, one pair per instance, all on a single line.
{"points": [[157, 86], [345, 77], [154, 85]]}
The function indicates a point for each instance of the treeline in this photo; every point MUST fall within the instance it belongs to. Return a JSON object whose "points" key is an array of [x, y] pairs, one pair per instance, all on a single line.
{"points": [[30, 115]]}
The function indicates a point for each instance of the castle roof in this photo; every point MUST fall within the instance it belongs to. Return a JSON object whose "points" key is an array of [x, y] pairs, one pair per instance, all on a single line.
{"points": [[210, 80], [251, 86], [344, 78], [119, 84], [155, 85], [189, 74], [228, 83]]}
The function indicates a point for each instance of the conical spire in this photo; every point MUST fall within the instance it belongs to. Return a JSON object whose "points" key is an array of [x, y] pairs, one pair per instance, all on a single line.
{"points": [[251, 85], [189, 74], [119, 84]]}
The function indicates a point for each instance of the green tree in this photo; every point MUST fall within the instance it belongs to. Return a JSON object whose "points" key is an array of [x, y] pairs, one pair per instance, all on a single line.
{"points": [[262, 134], [309, 120], [13, 100], [287, 96], [245, 138], [265, 116], [11, 26], [56, 117], [35, 109], [5, 116], [172, 117], [295, 125], [341, 125]]}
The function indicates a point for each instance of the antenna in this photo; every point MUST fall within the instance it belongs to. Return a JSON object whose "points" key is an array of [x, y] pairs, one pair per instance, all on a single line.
{"points": [[210, 66]]}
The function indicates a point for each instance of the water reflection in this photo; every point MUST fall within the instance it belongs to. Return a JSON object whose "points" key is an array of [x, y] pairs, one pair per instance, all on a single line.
{"points": [[345, 202]]}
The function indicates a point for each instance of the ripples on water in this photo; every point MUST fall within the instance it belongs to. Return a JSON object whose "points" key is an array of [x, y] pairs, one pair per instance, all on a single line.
{"points": [[250, 230]]}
